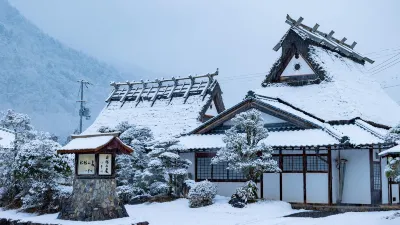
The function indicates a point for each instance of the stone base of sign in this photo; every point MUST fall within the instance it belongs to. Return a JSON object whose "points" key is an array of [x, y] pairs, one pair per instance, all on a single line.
{"points": [[93, 200]]}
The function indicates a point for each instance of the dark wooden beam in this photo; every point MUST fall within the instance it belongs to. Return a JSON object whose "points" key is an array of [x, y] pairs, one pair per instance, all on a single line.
{"points": [[329, 176], [304, 176], [280, 174]]}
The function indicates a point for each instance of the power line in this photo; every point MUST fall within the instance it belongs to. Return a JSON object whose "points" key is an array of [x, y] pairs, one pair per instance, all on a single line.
{"points": [[388, 66], [383, 50], [397, 85], [379, 65]]}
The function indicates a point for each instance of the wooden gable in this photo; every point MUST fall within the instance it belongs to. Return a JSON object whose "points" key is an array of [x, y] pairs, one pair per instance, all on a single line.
{"points": [[275, 118]]}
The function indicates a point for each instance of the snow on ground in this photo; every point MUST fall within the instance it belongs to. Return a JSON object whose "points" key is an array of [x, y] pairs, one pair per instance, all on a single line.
{"points": [[220, 213]]}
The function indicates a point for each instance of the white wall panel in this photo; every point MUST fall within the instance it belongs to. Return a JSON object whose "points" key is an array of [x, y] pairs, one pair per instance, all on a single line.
{"points": [[271, 186], [385, 186], [317, 187], [357, 186], [395, 194], [292, 187]]}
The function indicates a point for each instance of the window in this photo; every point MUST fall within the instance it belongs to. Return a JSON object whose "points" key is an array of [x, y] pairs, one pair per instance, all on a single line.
{"points": [[317, 163], [203, 168], [206, 171], [292, 163]]}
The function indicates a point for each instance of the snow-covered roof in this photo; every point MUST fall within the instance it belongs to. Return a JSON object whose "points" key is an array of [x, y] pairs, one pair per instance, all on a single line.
{"points": [[167, 110], [391, 151], [358, 135], [7, 137], [291, 138], [91, 143], [325, 39], [348, 93]]}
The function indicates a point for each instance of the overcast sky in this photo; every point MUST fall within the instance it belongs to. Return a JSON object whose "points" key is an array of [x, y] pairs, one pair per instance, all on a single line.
{"points": [[180, 37]]}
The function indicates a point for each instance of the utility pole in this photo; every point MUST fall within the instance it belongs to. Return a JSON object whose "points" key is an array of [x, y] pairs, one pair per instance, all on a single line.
{"points": [[83, 111]]}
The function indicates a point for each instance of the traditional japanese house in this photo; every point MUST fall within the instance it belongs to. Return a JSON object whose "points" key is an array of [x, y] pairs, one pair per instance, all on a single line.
{"points": [[327, 122], [169, 107]]}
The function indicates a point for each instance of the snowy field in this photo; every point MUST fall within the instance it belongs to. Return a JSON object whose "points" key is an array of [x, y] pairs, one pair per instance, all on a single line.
{"points": [[221, 213]]}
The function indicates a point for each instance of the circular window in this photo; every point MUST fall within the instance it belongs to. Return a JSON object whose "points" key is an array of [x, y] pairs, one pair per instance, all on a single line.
{"points": [[297, 66]]}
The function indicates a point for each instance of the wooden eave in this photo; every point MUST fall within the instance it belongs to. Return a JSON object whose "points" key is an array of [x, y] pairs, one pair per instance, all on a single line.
{"points": [[114, 145]]}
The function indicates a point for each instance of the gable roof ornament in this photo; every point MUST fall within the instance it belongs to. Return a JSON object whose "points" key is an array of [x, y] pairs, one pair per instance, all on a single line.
{"points": [[319, 37], [161, 88]]}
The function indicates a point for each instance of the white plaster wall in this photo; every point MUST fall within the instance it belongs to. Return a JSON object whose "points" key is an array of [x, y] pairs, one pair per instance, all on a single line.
{"points": [[229, 188], [385, 184], [271, 186], [189, 156], [317, 187], [335, 177], [357, 186], [395, 193], [292, 187]]}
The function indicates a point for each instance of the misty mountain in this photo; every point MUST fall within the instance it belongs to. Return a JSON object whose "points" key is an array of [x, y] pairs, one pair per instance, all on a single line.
{"points": [[39, 75]]}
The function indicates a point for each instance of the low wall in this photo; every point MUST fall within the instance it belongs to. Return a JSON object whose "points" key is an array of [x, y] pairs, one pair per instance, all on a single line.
{"points": [[18, 222]]}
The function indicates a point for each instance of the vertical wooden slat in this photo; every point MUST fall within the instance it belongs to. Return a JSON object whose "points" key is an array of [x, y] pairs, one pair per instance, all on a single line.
{"points": [[195, 167], [371, 173], [280, 174], [329, 175], [304, 176], [262, 185]]}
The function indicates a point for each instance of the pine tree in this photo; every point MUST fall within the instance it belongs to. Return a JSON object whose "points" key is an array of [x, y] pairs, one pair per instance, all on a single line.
{"points": [[166, 163], [130, 167], [32, 172], [244, 151], [392, 169], [393, 134]]}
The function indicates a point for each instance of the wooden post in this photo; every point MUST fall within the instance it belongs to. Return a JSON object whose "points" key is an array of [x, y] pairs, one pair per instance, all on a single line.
{"points": [[280, 174], [304, 176], [329, 175]]}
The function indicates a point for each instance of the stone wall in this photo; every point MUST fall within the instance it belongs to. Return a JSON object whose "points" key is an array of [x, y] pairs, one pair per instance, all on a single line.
{"points": [[92, 200]]}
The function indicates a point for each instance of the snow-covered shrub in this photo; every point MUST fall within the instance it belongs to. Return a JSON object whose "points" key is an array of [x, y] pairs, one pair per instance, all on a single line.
{"points": [[202, 194], [159, 188], [171, 165], [244, 152], [32, 172], [392, 169], [130, 168], [244, 195], [393, 134]]}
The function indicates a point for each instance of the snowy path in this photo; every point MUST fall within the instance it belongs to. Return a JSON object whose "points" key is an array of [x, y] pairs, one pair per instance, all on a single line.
{"points": [[221, 213]]}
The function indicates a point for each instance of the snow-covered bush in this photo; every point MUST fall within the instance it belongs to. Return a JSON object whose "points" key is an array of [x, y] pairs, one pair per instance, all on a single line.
{"points": [[32, 172], [130, 168], [159, 188], [393, 134], [170, 165], [243, 152], [392, 169], [244, 195], [202, 194]]}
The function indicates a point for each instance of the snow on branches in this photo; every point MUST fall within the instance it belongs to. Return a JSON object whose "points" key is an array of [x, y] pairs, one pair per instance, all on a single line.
{"points": [[244, 151], [393, 134], [392, 169], [32, 173]]}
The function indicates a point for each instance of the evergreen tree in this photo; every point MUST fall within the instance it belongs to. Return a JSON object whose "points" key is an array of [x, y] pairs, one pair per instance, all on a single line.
{"points": [[32, 172], [167, 168], [130, 167], [393, 134], [244, 151]]}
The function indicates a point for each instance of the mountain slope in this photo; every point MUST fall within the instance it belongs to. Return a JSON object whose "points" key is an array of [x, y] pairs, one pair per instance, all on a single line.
{"points": [[39, 75]]}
